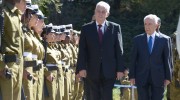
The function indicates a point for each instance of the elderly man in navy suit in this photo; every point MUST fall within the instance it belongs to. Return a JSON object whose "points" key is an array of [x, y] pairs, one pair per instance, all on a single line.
{"points": [[100, 54], [150, 68]]}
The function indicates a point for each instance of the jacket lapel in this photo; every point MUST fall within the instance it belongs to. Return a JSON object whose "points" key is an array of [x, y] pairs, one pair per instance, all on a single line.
{"points": [[107, 31], [145, 43], [95, 32]]}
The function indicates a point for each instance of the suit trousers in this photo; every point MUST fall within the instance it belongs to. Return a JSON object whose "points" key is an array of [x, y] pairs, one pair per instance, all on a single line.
{"points": [[150, 91], [101, 89]]}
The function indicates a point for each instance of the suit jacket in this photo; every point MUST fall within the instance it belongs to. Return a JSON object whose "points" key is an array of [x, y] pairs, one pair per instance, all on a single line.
{"points": [[108, 54], [170, 45], [158, 63]]}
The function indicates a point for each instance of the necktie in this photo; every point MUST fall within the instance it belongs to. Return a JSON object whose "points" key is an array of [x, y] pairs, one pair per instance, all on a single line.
{"points": [[100, 33], [150, 44]]}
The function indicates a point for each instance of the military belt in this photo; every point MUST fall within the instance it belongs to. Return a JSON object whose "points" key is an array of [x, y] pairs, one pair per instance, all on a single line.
{"points": [[63, 63], [60, 62], [8, 58], [52, 67], [30, 63], [66, 68], [38, 67], [34, 56], [39, 62], [27, 54]]}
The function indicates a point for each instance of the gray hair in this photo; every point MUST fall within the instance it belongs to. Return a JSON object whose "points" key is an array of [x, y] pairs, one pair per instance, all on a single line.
{"points": [[103, 4], [153, 17]]}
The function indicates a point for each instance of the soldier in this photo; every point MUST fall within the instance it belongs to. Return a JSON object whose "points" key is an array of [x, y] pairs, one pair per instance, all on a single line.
{"points": [[79, 84], [178, 37], [66, 65], [60, 82], [73, 53], [52, 67], [125, 92], [11, 68], [174, 87], [39, 56], [29, 21]]}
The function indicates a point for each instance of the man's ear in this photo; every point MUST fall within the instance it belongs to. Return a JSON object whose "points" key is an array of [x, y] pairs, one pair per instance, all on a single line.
{"points": [[107, 15]]}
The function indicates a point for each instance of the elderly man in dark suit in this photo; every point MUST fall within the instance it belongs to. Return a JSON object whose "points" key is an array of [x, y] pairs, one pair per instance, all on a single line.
{"points": [[151, 56], [100, 54]]}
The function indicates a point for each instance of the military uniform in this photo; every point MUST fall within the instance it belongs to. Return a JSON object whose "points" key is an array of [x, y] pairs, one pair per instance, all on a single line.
{"points": [[40, 67], [63, 70], [12, 48], [79, 84], [125, 92], [77, 93], [28, 65], [72, 56], [60, 74], [35, 68], [174, 87], [52, 66], [67, 73]]}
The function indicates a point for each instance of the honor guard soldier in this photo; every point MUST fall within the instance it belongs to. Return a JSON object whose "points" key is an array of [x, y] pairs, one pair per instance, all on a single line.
{"points": [[62, 37], [174, 87], [11, 64], [66, 65], [39, 55], [51, 67], [79, 84], [29, 20], [60, 78]]}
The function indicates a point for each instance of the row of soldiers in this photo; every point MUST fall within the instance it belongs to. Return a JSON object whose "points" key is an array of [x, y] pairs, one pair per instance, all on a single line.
{"points": [[38, 61]]}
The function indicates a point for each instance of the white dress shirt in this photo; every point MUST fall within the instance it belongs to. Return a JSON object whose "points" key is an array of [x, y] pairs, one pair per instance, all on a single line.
{"points": [[103, 26]]}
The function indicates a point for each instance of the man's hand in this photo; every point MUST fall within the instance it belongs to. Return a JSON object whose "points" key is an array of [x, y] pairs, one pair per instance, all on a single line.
{"points": [[132, 81], [82, 73], [119, 75], [166, 82]]}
